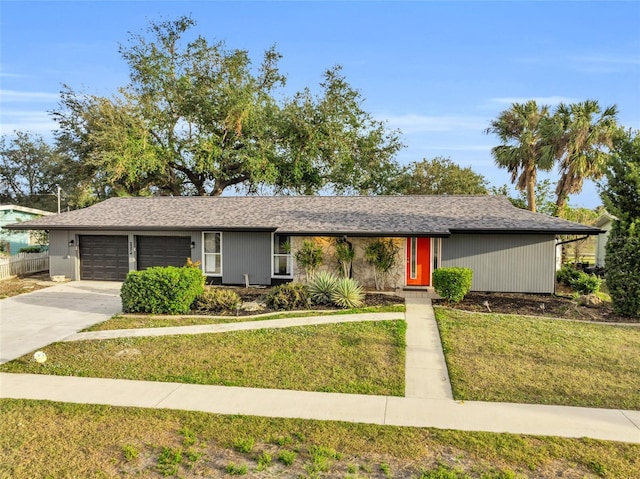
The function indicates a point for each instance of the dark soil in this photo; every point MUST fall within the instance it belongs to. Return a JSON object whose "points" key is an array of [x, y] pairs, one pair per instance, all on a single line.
{"points": [[557, 306], [257, 295]]}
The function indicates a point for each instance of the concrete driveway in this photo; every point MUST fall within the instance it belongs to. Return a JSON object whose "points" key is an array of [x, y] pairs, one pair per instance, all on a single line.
{"points": [[33, 320]]}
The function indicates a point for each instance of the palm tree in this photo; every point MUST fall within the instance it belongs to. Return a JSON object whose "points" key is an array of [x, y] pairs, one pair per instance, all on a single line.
{"points": [[523, 151], [581, 140]]}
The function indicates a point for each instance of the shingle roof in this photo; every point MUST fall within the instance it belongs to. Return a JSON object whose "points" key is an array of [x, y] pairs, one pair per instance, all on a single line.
{"points": [[352, 215]]}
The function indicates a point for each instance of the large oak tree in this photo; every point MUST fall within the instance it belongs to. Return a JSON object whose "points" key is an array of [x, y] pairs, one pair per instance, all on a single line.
{"points": [[198, 118]]}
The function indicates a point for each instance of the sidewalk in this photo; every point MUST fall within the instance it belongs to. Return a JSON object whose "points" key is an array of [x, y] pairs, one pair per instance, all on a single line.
{"points": [[428, 401]]}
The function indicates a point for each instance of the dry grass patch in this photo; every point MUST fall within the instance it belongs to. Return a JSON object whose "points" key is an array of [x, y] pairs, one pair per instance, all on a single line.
{"points": [[14, 286], [510, 358], [359, 358], [46, 439], [130, 321]]}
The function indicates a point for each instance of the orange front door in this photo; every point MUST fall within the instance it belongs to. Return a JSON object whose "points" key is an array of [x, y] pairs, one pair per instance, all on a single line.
{"points": [[418, 261]]}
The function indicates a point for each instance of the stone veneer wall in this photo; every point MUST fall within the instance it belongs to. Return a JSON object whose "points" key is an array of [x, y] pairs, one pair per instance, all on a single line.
{"points": [[362, 271]]}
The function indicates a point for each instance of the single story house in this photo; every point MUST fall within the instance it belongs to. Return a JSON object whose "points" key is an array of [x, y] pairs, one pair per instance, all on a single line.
{"points": [[254, 239], [12, 241], [605, 223]]}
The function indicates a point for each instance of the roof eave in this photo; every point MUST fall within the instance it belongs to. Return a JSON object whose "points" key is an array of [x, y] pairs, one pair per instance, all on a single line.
{"points": [[536, 231]]}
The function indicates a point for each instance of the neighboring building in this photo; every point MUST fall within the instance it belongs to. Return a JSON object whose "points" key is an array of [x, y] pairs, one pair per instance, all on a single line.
{"points": [[12, 241], [605, 223], [255, 238]]}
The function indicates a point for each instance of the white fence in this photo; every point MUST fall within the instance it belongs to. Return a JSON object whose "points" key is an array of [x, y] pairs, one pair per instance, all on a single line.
{"points": [[23, 263]]}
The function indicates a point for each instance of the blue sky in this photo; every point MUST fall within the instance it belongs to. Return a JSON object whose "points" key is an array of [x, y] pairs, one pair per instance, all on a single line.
{"points": [[438, 71]]}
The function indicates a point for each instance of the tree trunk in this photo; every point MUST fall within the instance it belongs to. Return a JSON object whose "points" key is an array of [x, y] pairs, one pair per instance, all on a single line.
{"points": [[531, 194]]}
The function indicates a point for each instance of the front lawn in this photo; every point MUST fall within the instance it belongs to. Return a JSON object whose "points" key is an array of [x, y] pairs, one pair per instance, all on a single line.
{"points": [[359, 358], [493, 357], [47, 439]]}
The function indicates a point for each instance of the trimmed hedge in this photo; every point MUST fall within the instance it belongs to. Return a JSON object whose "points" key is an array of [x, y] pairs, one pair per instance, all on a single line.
{"points": [[161, 290], [452, 284]]}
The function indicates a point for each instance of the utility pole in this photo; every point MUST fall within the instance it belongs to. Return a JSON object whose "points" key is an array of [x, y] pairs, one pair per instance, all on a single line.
{"points": [[59, 190]]}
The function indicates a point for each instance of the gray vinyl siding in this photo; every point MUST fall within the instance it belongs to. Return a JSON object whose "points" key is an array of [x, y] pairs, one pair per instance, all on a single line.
{"points": [[246, 253], [504, 263], [61, 255]]}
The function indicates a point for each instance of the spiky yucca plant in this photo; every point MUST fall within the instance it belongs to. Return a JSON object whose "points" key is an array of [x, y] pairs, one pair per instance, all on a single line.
{"points": [[347, 294], [322, 287]]}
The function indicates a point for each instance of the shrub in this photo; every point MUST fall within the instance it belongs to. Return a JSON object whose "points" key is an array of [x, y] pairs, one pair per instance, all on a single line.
{"points": [[345, 253], [288, 296], [586, 283], [322, 287], [32, 249], [347, 294], [623, 272], [452, 284], [309, 256], [161, 290], [217, 300], [567, 274], [381, 255]]}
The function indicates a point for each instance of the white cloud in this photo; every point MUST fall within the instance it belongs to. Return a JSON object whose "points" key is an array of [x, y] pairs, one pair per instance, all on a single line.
{"points": [[27, 120], [11, 75], [412, 123], [540, 100], [15, 96], [610, 59]]}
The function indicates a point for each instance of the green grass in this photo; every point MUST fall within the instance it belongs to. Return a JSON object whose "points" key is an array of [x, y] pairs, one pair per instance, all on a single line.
{"points": [[124, 321], [61, 440], [360, 358], [509, 358]]}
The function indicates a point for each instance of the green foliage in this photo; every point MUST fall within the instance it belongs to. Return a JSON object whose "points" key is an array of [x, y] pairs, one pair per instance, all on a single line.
{"points": [[321, 287], [198, 118], [621, 196], [345, 253], [130, 452], [382, 255], [287, 457], [309, 257], [586, 283], [244, 444], [31, 249], [264, 460], [567, 275], [288, 296], [161, 290], [452, 284], [440, 176], [169, 461], [623, 271], [217, 300], [347, 294], [522, 150], [236, 469], [31, 171]]}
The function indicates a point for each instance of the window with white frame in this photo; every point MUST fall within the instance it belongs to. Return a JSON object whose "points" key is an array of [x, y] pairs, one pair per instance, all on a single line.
{"points": [[282, 259], [212, 253]]}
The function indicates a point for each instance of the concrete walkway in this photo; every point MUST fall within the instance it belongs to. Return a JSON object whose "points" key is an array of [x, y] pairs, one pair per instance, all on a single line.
{"points": [[228, 327], [428, 402], [426, 373]]}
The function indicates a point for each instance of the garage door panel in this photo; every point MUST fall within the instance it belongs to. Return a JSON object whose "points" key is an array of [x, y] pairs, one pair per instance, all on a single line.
{"points": [[104, 257], [163, 251]]}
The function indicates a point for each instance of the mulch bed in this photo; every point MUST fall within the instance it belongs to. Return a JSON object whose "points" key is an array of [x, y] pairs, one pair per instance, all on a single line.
{"points": [[557, 306], [256, 295]]}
